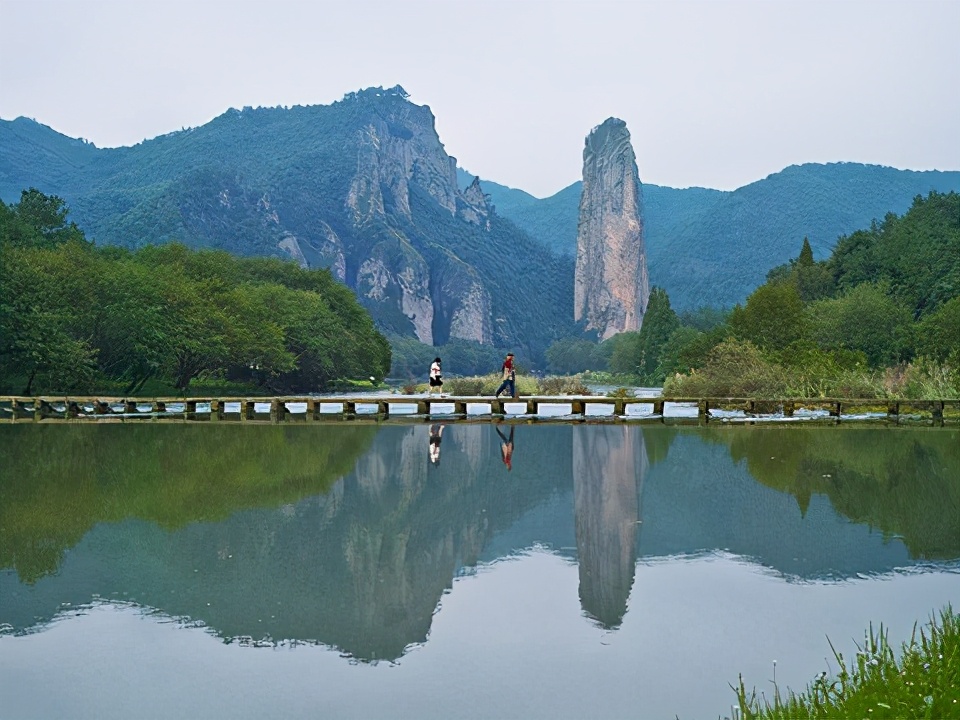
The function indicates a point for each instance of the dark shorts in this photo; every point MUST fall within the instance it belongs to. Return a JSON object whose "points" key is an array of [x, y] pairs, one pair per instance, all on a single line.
{"points": [[436, 382]]}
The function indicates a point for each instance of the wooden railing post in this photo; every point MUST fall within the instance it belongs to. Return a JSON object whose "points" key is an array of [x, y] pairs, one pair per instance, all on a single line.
{"points": [[937, 411], [893, 410]]}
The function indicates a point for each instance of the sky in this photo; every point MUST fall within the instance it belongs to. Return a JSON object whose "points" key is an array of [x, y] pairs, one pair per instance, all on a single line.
{"points": [[715, 94]]}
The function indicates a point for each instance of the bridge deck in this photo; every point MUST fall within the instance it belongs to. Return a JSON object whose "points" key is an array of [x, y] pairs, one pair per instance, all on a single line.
{"points": [[454, 408]]}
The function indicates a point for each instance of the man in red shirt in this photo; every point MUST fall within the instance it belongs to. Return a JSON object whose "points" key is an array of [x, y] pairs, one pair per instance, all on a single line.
{"points": [[509, 377]]}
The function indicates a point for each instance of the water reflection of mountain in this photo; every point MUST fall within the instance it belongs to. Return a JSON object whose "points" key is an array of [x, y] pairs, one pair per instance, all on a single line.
{"points": [[362, 567], [609, 465]]}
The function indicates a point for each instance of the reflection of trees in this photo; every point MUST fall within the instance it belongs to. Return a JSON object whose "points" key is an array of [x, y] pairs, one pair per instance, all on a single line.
{"points": [[609, 464], [906, 483], [59, 481], [360, 567]]}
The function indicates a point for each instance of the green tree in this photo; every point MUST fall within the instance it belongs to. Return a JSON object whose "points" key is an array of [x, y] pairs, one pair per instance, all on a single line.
{"points": [[866, 318], [773, 317], [572, 355], [938, 334], [46, 216], [624, 349], [659, 322]]}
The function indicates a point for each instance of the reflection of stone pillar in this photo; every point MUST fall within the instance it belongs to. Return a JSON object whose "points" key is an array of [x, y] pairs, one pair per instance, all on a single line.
{"points": [[609, 463]]}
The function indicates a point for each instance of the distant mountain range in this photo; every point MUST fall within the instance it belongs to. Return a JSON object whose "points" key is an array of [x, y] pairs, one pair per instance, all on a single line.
{"points": [[713, 247], [364, 186]]}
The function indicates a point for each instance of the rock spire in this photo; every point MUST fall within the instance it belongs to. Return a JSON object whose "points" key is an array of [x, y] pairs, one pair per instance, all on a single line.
{"points": [[611, 283]]}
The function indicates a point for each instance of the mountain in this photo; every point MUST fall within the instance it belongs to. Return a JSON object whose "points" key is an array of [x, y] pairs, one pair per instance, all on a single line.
{"points": [[713, 247], [363, 187]]}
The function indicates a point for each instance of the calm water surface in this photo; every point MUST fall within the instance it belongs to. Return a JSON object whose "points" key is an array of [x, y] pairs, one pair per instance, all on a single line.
{"points": [[339, 570]]}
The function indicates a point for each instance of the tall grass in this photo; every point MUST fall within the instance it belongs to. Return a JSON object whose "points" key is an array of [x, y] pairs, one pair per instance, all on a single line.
{"points": [[922, 682], [739, 369]]}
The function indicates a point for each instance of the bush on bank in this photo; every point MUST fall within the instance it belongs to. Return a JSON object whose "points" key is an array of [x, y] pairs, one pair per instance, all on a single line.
{"points": [[738, 368]]}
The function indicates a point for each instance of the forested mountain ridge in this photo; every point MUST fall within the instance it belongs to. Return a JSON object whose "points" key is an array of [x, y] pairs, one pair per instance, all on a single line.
{"points": [[365, 187], [362, 187], [713, 247]]}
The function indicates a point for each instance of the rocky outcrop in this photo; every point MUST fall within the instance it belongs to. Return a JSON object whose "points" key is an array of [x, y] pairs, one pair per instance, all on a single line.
{"points": [[291, 247], [474, 207], [611, 283], [396, 148], [395, 274], [461, 301]]}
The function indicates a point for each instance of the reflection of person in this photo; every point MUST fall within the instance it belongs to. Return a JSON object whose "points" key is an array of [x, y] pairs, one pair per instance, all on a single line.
{"points": [[436, 435], [509, 377], [436, 378], [506, 448]]}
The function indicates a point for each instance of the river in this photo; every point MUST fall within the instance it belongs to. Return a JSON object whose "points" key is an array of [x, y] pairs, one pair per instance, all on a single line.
{"points": [[457, 570]]}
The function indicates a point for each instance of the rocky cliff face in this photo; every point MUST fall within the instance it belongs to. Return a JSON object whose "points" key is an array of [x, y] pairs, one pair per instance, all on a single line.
{"points": [[396, 150], [399, 153], [611, 283]]}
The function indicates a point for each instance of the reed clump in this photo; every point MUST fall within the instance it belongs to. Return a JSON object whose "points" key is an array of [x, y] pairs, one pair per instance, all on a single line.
{"points": [[922, 681], [562, 385]]}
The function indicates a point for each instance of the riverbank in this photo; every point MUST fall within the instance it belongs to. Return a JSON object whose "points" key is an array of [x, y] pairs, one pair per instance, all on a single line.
{"points": [[921, 681]]}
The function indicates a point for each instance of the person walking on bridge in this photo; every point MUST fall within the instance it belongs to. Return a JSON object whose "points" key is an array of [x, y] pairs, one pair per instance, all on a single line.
{"points": [[436, 378], [509, 373]]}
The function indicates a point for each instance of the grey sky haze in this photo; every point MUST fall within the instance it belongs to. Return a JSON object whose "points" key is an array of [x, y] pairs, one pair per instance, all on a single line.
{"points": [[715, 94]]}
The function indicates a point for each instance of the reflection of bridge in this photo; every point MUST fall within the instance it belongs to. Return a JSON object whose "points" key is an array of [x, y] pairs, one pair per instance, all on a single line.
{"points": [[579, 407]]}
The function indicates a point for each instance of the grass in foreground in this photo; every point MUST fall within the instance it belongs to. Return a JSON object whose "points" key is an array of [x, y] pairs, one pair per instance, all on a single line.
{"points": [[923, 682]]}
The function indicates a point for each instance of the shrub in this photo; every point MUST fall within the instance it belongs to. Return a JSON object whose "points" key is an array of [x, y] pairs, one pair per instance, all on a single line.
{"points": [[562, 385], [733, 368]]}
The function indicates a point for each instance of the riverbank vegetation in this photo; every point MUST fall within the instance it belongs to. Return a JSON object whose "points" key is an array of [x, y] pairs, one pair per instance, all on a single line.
{"points": [[921, 681], [79, 318], [878, 318]]}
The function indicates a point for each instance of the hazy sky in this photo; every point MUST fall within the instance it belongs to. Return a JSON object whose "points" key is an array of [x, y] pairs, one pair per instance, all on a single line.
{"points": [[715, 94]]}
